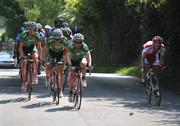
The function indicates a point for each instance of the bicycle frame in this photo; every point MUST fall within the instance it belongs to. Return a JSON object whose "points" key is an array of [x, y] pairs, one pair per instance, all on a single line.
{"points": [[77, 89], [150, 75], [29, 74], [152, 87]]}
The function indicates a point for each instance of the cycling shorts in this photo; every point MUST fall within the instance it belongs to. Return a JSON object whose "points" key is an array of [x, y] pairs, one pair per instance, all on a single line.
{"points": [[59, 56], [30, 49]]}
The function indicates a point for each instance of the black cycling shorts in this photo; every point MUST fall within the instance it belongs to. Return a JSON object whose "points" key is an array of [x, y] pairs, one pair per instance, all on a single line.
{"points": [[57, 55], [27, 50], [76, 63]]}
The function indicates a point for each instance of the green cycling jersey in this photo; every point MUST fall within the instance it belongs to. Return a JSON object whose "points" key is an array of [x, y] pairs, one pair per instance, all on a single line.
{"points": [[29, 40], [78, 54], [57, 47]]}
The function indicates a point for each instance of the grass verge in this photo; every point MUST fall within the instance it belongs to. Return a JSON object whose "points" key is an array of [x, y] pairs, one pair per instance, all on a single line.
{"points": [[2, 31], [131, 70]]}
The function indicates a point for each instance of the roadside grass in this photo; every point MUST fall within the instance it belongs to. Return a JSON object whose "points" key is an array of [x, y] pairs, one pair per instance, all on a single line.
{"points": [[131, 70], [2, 31], [169, 77]]}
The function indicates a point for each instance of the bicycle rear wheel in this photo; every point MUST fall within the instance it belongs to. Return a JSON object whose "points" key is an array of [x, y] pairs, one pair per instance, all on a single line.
{"points": [[157, 91], [78, 95]]}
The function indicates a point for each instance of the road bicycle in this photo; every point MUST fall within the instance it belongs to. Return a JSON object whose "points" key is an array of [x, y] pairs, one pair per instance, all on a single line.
{"points": [[152, 87], [77, 89], [29, 74], [54, 82]]}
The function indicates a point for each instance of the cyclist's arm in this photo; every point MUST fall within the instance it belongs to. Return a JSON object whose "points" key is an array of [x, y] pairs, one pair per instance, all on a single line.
{"points": [[162, 57], [142, 59], [39, 49], [45, 52], [21, 49], [89, 59], [67, 58]]}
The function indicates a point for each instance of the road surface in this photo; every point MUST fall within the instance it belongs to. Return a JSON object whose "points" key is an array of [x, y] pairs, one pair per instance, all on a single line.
{"points": [[109, 100]]}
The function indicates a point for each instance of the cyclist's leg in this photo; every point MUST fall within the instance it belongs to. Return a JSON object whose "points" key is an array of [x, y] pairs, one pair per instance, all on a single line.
{"points": [[35, 66], [72, 76], [71, 82], [83, 70], [23, 70], [83, 66], [60, 71]]}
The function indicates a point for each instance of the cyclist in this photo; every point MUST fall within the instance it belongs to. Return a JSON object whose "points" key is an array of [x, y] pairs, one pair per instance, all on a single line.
{"points": [[153, 54], [18, 38], [56, 47], [80, 56], [30, 43], [58, 23], [48, 31], [41, 32]]}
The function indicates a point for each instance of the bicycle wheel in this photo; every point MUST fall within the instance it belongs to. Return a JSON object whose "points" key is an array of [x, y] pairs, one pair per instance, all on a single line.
{"points": [[148, 90], [56, 89], [65, 80], [78, 95], [157, 91], [52, 87], [29, 82]]}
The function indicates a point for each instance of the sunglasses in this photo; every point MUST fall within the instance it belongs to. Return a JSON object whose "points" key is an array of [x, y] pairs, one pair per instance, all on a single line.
{"points": [[57, 39], [78, 42]]}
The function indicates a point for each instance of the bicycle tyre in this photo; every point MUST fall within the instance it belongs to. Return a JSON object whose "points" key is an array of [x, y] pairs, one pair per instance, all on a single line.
{"points": [[78, 95], [56, 91], [148, 91], [52, 90], [29, 82], [65, 80], [157, 91]]}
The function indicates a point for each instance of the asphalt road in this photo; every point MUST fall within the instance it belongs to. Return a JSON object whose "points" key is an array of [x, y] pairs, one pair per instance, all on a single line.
{"points": [[109, 100]]}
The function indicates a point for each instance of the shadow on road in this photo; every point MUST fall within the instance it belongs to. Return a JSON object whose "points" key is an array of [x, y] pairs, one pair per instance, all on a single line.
{"points": [[20, 99], [119, 91]]}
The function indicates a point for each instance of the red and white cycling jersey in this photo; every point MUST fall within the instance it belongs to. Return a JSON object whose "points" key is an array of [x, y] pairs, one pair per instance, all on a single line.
{"points": [[152, 56]]}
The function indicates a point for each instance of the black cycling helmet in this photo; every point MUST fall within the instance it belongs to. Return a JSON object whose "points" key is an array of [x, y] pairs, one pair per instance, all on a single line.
{"points": [[75, 29], [78, 37], [58, 22], [57, 33], [66, 32]]}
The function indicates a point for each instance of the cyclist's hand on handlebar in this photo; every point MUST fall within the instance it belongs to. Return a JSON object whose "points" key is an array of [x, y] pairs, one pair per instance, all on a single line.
{"points": [[162, 67], [90, 68], [69, 66]]}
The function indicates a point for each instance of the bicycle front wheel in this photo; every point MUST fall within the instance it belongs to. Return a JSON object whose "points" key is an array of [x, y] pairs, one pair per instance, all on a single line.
{"points": [[156, 91], [29, 83], [56, 90], [78, 95], [148, 91], [65, 80]]}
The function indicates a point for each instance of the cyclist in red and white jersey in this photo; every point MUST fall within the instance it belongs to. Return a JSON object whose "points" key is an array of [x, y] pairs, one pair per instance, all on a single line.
{"points": [[153, 54]]}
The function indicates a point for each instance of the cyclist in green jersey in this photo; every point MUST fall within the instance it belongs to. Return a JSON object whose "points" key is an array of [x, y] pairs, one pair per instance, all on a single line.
{"points": [[30, 43], [80, 56], [56, 48]]}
